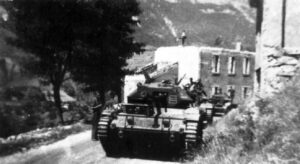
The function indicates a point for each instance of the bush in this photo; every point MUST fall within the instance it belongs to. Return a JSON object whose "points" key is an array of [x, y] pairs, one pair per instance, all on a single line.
{"points": [[23, 109], [262, 131]]}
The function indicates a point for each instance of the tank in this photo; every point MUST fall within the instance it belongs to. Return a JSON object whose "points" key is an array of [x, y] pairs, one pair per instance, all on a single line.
{"points": [[135, 128], [217, 106]]}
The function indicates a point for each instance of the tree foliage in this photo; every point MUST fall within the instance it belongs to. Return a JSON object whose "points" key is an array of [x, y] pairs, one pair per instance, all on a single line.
{"points": [[112, 45], [88, 40]]}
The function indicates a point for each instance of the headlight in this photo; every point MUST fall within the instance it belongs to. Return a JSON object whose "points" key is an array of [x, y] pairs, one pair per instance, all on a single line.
{"points": [[113, 125], [172, 137], [166, 123]]}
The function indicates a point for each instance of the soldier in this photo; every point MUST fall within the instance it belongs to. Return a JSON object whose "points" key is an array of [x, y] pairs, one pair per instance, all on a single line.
{"points": [[159, 100], [183, 37], [199, 92], [231, 94], [190, 89], [199, 84]]}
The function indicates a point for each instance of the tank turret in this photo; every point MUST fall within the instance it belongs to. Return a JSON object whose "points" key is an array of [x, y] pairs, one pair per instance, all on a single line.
{"points": [[140, 128], [217, 106], [176, 97]]}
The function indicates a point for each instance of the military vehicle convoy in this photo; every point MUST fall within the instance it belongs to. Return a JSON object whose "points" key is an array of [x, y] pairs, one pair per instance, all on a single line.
{"points": [[129, 127], [157, 120]]}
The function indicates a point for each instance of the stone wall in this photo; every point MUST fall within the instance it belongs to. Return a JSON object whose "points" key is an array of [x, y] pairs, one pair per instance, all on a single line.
{"points": [[196, 62], [278, 43], [223, 79], [292, 30]]}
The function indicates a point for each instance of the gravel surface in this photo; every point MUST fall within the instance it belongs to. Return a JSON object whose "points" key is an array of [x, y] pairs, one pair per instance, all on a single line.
{"points": [[75, 149]]}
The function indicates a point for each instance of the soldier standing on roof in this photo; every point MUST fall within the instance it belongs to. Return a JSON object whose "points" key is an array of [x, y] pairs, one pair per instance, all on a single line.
{"points": [[183, 37]]}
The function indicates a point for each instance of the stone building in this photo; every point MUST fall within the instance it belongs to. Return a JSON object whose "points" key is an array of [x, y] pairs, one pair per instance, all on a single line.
{"points": [[277, 43], [218, 69]]}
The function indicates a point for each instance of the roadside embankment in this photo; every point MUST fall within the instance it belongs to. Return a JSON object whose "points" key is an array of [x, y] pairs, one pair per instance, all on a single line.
{"points": [[38, 137], [263, 130]]}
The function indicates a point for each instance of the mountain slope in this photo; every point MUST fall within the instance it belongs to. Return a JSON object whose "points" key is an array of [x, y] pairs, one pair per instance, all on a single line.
{"points": [[203, 20]]}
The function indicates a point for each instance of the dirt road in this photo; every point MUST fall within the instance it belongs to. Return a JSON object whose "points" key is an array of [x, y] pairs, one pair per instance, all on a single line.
{"points": [[75, 149]]}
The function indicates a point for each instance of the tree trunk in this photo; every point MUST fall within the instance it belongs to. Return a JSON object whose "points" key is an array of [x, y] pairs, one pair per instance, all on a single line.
{"points": [[57, 101]]}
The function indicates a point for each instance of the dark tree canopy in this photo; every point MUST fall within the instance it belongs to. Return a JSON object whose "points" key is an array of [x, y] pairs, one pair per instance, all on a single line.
{"points": [[89, 40], [113, 44]]}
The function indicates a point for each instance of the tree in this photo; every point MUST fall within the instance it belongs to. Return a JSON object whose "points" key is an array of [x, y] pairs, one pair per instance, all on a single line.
{"points": [[104, 67], [85, 39]]}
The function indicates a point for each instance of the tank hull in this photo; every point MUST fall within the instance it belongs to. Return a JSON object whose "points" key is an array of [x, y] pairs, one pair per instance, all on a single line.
{"points": [[143, 144], [126, 134]]}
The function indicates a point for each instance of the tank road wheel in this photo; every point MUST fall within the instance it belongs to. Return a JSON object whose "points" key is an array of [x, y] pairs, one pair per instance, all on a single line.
{"points": [[102, 133], [190, 141], [103, 128], [209, 116], [191, 135]]}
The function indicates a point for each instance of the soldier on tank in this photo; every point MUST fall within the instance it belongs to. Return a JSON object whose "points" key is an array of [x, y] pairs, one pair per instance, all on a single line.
{"points": [[159, 101], [189, 87], [196, 91], [199, 92]]}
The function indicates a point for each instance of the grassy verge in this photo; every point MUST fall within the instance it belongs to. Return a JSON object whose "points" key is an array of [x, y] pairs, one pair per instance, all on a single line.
{"points": [[38, 137], [261, 131]]}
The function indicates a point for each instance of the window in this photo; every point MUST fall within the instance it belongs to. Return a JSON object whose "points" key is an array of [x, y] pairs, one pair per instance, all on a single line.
{"points": [[216, 89], [245, 92], [216, 64], [231, 65], [246, 66]]}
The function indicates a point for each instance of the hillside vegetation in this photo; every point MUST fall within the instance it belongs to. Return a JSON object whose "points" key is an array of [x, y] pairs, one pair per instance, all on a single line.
{"points": [[163, 20], [262, 131]]}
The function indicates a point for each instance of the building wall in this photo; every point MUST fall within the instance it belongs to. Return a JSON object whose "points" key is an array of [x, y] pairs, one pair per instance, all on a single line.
{"points": [[196, 62], [130, 84], [223, 78], [292, 21], [277, 33], [187, 57]]}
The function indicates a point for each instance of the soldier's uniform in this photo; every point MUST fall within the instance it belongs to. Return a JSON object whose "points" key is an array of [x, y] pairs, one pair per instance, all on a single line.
{"points": [[159, 100], [198, 92]]}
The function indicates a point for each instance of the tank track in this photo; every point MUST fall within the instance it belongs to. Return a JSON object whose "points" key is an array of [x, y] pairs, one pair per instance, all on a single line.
{"points": [[209, 116], [102, 130], [191, 134]]}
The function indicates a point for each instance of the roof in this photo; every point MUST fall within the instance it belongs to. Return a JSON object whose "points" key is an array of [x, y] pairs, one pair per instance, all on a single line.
{"points": [[187, 50]]}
